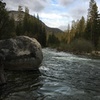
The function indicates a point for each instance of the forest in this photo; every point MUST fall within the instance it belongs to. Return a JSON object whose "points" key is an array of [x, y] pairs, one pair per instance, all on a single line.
{"points": [[25, 24], [81, 36]]}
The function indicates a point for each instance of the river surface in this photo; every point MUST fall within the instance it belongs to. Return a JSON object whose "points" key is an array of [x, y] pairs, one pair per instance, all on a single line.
{"points": [[62, 76]]}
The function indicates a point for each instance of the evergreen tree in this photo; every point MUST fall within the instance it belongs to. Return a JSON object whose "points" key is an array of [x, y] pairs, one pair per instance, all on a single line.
{"points": [[43, 36], [11, 27], [68, 36], [3, 20], [81, 27], [99, 31], [87, 34], [26, 26], [26, 10], [53, 40], [92, 23], [91, 3], [6, 24], [19, 27], [41, 32], [73, 31], [94, 26], [20, 16]]}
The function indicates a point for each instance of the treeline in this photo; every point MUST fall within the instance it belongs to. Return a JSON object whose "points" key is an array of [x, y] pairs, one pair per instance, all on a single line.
{"points": [[82, 35], [22, 24]]}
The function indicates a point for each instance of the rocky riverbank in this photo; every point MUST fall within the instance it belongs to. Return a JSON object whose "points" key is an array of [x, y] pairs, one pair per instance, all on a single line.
{"points": [[93, 54]]}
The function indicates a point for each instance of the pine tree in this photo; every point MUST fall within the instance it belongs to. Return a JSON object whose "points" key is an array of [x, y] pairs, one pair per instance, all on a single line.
{"points": [[53, 40], [91, 3], [3, 19], [20, 16], [6, 23], [26, 23], [43, 36], [92, 23], [81, 27], [87, 34], [19, 27]]}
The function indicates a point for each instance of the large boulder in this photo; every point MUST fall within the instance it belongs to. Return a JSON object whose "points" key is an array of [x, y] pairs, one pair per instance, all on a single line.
{"points": [[2, 77], [21, 53]]}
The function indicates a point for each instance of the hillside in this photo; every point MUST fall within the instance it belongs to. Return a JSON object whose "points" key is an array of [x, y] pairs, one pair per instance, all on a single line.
{"points": [[48, 29], [53, 30]]}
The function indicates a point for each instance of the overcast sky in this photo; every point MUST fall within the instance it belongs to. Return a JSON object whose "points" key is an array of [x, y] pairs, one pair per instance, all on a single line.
{"points": [[54, 13]]}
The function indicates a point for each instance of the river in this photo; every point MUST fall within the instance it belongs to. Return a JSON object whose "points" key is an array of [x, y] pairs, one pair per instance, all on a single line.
{"points": [[62, 76]]}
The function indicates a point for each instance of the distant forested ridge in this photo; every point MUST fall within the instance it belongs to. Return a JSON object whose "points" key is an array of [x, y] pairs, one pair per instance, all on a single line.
{"points": [[16, 23]]}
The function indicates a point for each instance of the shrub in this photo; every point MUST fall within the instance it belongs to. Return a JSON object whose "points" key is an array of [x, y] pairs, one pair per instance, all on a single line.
{"points": [[98, 48], [64, 47], [81, 46], [53, 40]]}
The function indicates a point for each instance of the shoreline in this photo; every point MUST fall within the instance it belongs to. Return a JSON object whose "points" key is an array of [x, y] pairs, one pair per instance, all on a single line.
{"points": [[93, 54]]}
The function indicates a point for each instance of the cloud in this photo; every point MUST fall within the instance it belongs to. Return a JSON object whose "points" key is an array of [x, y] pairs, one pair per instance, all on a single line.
{"points": [[51, 19], [65, 2], [79, 10], [58, 20], [54, 13], [37, 5], [77, 13], [34, 5]]}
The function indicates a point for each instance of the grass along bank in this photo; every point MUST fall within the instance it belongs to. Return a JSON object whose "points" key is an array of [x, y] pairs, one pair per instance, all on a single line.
{"points": [[78, 47]]}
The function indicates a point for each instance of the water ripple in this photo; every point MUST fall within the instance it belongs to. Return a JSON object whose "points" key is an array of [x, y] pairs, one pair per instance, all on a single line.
{"points": [[63, 76]]}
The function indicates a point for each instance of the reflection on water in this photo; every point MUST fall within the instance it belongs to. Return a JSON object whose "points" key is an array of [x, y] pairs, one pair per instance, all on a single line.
{"points": [[62, 76]]}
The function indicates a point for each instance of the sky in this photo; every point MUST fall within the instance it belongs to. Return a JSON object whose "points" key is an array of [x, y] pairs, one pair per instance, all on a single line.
{"points": [[54, 13]]}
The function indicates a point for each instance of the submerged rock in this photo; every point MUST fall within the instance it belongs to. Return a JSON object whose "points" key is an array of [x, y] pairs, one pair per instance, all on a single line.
{"points": [[21, 53]]}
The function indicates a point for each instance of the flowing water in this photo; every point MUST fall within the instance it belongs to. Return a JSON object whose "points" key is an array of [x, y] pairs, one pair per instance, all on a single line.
{"points": [[62, 76]]}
